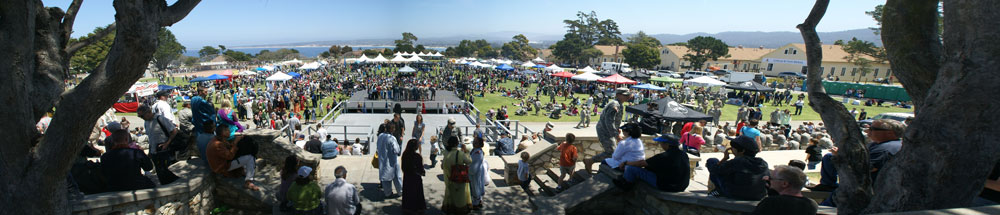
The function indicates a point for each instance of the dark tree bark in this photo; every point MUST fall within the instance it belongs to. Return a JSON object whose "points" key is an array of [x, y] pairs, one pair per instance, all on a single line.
{"points": [[851, 159], [33, 68], [949, 149]]}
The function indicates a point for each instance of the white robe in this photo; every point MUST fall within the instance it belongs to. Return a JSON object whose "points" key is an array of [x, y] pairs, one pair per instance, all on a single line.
{"points": [[388, 158]]}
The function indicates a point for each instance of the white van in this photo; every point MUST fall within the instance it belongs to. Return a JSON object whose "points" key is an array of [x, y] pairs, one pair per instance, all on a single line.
{"points": [[612, 66], [734, 77], [695, 74]]}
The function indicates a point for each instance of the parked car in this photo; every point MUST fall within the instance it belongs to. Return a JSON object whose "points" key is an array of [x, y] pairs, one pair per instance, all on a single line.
{"points": [[695, 74], [893, 116], [667, 73], [791, 74]]}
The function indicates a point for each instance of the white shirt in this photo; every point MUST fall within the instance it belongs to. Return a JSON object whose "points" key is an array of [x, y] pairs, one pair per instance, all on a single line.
{"points": [[629, 149], [163, 108], [356, 149]]}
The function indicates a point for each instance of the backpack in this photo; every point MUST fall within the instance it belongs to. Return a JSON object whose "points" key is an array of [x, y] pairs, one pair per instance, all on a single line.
{"points": [[88, 177]]}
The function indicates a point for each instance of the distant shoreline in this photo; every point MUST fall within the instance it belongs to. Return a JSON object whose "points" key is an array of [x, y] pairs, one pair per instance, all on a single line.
{"points": [[313, 46]]}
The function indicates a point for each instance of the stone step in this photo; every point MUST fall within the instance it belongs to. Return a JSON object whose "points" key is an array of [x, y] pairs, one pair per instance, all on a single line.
{"points": [[597, 185], [548, 187]]}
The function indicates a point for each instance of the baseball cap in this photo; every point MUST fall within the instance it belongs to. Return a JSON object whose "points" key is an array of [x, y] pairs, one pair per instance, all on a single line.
{"points": [[162, 93], [114, 126], [743, 142], [451, 120], [304, 171], [668, 138]]}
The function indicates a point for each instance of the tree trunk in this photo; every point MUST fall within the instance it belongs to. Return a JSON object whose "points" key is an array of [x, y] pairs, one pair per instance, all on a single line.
{"points": [[852, 157], [951, 146], [32, 70]]}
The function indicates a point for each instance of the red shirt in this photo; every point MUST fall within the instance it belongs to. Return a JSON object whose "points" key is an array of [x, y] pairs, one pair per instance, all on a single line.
{"points": [[740, 127], [568, 155], [687, 127]]}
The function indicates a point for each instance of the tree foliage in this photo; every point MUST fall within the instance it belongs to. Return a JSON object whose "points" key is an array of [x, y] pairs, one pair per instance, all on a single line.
{"points": [[208, 51], [168, 50], [468, 48], [858, 50], [406, 44], [642, 51], [574, 50], [280, 54], [237, 56], [705, 48], [370, 53], [593, 31], [89, 57], [518, 49]]}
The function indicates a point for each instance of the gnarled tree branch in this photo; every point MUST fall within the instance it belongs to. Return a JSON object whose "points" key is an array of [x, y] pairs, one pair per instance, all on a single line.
{"points": [[851, 161], [70, 18], [177, 11], [910, 34], [72, 48]]}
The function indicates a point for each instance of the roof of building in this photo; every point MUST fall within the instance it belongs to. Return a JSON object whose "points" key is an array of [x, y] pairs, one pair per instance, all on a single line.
{"points": [[831, 53], [678, 50], [609, 50], [742, 53]]}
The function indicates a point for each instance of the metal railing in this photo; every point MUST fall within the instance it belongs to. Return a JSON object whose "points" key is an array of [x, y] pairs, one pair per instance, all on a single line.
{"points": [[369, 106]]}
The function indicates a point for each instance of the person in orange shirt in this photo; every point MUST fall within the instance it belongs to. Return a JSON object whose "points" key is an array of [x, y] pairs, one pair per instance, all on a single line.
{"points": [[222, 157], [567, 158]]}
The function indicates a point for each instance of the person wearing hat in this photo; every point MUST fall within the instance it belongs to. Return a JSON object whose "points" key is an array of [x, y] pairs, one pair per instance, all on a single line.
{"points": [[629, 150], [668, 171], [162, 107], [201, 110], [450, 130], [305, 194], [607, 127], [742, 177]]}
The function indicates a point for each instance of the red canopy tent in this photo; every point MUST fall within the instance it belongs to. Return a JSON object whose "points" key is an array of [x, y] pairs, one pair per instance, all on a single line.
{"points": [[227, 73], [564, 74], [617, 79]]}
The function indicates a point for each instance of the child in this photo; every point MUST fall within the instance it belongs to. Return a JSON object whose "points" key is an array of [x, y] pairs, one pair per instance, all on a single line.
{"points": [[524, 172], [813, 153], [567, 159], [435, 150]]}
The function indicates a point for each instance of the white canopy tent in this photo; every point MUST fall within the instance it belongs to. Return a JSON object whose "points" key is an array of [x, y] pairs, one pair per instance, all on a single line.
{"points": [[399, 58], [312, 65], [527, 64], [379, 59], [586, 76], [363, 58], [397, 54], [538, 59], [437, 54], [415, 59], [553, 67], [704, 81], [293, 61], [407, 69], [246, 72], [588, 69], [279, 76]]}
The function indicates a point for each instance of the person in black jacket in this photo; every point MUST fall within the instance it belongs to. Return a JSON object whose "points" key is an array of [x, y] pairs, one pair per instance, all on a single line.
{"points": [[742, 177], [668, 171], [123, 166]]}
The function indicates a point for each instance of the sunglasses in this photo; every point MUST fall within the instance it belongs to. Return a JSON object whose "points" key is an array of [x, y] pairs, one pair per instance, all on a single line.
{"points": [[878, 129]]}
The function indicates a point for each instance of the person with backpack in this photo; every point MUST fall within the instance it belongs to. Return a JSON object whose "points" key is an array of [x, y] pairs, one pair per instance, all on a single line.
{"points": [[457, 197], [160, 133]]}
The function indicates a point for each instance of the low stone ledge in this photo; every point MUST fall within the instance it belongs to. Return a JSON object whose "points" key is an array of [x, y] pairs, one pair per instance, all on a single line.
{"points": [[192, 189]]}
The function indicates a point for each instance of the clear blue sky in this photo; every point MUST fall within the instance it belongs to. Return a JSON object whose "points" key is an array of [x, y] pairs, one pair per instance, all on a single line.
{"points": [[253, 22]]}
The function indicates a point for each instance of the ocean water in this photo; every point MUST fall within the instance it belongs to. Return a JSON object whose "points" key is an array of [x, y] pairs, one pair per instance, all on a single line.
{"points": [[305, 51]]}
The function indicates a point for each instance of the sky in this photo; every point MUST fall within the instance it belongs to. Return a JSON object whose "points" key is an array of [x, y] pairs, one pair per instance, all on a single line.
{"points": [[257, 22]]}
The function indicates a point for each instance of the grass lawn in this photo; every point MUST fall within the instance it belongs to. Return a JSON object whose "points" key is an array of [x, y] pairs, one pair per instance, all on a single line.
{"points": [[494, 101]]}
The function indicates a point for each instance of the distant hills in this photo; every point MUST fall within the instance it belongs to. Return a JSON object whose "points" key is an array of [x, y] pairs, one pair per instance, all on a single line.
{"points": [[732, 38]]}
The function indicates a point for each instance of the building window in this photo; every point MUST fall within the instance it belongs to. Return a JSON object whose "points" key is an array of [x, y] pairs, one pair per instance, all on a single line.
{"points": [[876, 73], [786, 51], [854, 71], [755, 66], [795, 51], [672, 64], [887, 71], [770, 66], [843, 71], [832, 70], [745, 66], [804, 70], [725, 66]]}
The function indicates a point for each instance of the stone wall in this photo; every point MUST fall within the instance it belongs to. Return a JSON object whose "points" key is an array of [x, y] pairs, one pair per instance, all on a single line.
{"points": [[545, 156], [191, 194], [270, 158]]}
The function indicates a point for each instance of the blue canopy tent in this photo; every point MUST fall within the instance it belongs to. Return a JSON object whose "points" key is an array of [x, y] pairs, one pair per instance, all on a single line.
{"points": [[539, 66], [261, 69], [528, 72], [295, 74], [200, 79], [648, 87], [166, 87], [217, 77], [505, 67]]}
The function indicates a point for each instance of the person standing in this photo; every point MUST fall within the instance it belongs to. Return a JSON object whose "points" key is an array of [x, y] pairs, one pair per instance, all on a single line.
{"points": [[418, 129], [584, 117], [305, 194], [160, 133], [567, 158], [341, 197], [162, 107], [607, 127], [457, 198], [478, 174], [202, 111], [413, 182], [388, 170], [798, 105]]}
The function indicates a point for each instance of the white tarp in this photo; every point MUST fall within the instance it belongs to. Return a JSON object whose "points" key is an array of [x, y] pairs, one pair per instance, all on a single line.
{"points": [[279, 76], [437, 54], [363, 58], [527, 64], [538, 59], [397, 54], [407, 69], [704, 81], [293, 61], [588, 69], [312, 65], [586, 76]]}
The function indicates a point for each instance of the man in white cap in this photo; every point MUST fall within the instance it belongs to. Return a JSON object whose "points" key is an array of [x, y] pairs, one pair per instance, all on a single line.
{"points": [[607, 126], [450, 131]]}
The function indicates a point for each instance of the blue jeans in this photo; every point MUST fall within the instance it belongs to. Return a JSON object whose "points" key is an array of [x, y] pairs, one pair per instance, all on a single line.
{"points": [[828, 171], [713, 165], [812, 164], [633, 172]]}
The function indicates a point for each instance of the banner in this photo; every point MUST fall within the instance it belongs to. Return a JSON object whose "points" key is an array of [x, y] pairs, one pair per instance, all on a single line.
{"points": [[784, 61]]}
